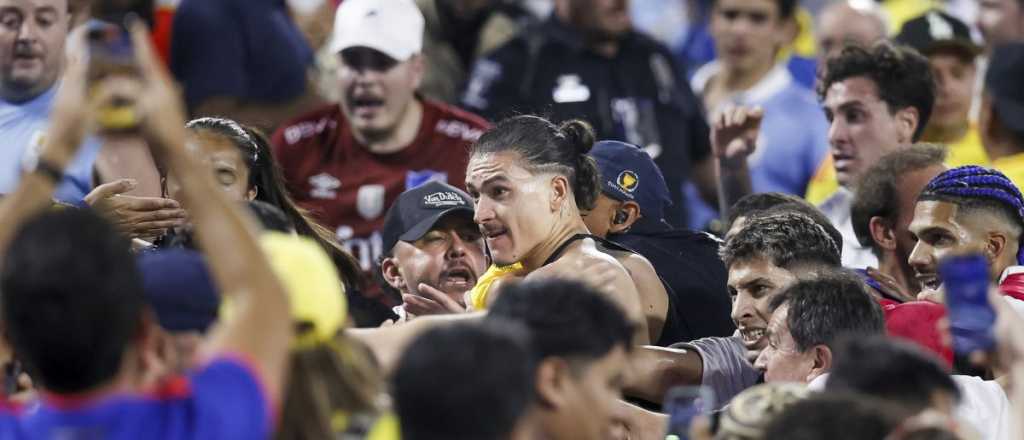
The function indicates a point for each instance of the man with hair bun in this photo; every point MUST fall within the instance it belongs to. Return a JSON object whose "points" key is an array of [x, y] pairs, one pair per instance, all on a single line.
{"points": [[530, 179]]}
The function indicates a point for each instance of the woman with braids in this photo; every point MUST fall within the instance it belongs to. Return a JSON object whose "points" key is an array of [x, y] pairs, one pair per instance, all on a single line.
{"points": [[530, 179], [965, 209], [241, 162]]}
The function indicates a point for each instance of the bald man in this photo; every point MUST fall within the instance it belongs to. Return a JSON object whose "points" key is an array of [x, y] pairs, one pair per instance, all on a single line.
{"points": [[849, 22]]}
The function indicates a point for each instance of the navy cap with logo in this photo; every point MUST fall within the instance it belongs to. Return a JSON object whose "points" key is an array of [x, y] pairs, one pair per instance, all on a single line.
{"points": [[1003, 84], [938, 31], [629, 174], [419, 209]]}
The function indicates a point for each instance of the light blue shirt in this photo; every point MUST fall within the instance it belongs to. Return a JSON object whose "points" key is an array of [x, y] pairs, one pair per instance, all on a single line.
{"points": [[22, 129], [792, 144]]}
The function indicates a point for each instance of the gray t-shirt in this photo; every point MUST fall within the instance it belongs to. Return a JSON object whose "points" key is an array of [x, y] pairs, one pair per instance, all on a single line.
{"points": [[726, 369]]}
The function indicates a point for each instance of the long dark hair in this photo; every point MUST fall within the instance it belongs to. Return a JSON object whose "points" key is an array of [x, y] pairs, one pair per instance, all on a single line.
{"points": [[266, 178]]}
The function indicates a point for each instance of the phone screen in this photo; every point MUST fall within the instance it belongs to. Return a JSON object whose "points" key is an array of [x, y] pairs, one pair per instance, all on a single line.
{"points": [[683, 404], [971, 317]]}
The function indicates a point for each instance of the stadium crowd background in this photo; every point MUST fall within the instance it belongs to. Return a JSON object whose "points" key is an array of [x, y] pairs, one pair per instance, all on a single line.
{"points": [[511, 219]]}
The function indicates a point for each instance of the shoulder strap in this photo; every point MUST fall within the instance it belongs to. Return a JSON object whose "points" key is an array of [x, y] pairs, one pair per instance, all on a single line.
{"points": [[561, 248]]}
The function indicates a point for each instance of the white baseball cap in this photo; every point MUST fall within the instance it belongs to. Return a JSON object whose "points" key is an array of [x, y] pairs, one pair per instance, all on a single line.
{"points": [[394, 27]]}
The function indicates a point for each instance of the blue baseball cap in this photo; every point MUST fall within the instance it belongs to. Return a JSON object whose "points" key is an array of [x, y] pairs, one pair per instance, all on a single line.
{"points": [[179, 288], [629, 174]]}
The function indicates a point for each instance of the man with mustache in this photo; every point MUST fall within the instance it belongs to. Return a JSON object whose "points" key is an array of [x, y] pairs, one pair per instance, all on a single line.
{"points": [[431, 245], [348, 162], [32, 58]]}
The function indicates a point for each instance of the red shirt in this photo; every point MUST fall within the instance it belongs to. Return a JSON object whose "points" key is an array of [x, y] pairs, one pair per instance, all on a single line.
{"points": [[1012, 284], [349, 189]]}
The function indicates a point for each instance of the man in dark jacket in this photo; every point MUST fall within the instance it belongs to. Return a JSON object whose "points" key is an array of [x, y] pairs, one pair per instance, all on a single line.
{"points": [[630, 211]]}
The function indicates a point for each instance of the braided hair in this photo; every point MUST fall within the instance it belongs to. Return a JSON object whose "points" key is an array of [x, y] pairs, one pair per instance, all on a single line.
{"points": [[973, 186]]}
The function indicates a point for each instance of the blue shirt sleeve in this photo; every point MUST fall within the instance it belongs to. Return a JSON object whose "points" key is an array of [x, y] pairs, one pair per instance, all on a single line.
{"points": [[208, 51], [229, 402], [78, 177]]}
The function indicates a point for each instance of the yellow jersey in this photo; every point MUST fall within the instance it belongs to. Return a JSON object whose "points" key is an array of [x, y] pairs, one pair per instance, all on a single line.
{"points": [[1013, 167], [480, 292], [968, 150]]}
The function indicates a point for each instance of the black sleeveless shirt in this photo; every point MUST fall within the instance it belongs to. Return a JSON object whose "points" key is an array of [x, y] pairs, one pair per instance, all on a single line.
{"points": [[673, 330]]}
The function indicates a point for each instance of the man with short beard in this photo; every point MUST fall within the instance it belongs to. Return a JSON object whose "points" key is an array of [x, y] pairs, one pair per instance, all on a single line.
{"points": [[348, 162], [432, 245]]}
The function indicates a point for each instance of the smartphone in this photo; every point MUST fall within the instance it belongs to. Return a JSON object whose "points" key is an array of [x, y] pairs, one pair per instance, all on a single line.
{"points": [[971, 316], [683, 404], [111, 53]]}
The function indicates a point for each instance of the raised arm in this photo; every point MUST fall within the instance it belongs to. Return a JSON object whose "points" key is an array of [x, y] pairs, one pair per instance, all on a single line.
{"points": [[67, 128], [260, 328]]}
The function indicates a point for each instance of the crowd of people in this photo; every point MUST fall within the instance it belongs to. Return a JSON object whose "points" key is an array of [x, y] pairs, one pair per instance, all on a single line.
{"points": [[512, 219]]}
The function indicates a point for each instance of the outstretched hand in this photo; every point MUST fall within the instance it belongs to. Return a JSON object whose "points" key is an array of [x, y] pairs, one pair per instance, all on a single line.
{"points": [[734, 134], [431, 301], [136, 217], [890, 286]]}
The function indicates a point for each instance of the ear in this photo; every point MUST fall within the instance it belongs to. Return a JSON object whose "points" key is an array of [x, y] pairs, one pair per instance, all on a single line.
{"points": [[995, 246], [882, 233], [907, 119], [560, 191], [822, 361], [552, 382], [632, 212], [418, 69], [394, 278], [255, 191]]}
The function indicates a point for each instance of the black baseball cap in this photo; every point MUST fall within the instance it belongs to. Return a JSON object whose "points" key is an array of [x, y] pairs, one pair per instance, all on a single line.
{"points": [[419, 209], [1003, 84], [938, 31]]}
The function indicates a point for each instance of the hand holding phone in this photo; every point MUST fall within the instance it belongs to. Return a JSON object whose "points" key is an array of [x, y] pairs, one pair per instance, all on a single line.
{"points": [[965, 279], [112, 56], [683, 404]]}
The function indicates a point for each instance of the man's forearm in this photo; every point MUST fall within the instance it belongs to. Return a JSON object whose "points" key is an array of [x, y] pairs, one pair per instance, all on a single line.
{"points": [[32, 196], [658, 369], [388, 343], [733, 184]]}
